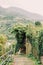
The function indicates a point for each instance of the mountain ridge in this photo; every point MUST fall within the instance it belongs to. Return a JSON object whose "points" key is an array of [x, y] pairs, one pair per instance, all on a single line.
{"points": [[14, 11]]}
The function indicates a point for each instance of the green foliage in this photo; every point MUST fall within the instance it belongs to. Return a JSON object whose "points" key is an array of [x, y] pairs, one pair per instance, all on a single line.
{"points": [[36, 61], [3, 40], [33, 35], [1, 49], [37, 23], [41, 42], [20, 36]]}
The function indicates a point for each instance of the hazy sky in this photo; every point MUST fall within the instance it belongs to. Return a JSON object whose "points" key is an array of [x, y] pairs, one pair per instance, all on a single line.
{"points": [[35, 6]]}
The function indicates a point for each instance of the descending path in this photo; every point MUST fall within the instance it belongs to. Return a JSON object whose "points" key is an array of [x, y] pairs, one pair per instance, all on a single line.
{"points": [[20, 60]]}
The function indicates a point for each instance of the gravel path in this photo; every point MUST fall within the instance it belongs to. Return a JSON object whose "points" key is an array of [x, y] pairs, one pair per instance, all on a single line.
{"points": [[20, 60]]}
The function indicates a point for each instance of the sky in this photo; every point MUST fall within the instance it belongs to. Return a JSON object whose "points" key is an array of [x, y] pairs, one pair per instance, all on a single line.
{"points": [[35, 6]]}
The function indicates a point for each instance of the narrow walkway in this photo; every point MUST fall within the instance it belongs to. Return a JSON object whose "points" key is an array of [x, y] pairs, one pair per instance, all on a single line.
{"points": [[20, 60]]}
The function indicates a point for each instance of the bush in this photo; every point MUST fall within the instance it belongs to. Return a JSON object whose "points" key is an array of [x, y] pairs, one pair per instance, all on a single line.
{"points": [[37, 23]]}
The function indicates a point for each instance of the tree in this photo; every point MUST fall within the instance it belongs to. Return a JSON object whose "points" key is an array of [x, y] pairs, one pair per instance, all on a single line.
{"points": [[40, 43], [32, 36], [20, 32], [3, 40], [37, 23]]}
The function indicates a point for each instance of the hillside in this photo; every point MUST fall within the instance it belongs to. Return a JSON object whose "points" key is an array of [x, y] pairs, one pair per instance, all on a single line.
{"points": [[17, 12], [12, 15]]}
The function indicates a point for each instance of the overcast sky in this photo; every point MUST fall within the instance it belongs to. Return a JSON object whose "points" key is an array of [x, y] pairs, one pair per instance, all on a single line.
{"points": [[35, 6]]}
